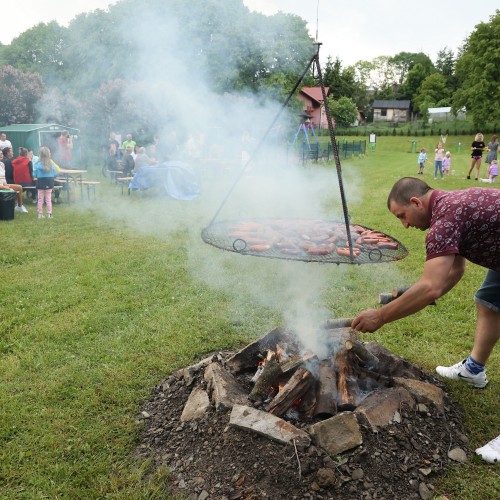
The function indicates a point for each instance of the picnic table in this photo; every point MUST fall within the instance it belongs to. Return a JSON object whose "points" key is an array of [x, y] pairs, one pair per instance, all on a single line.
{"points": [[70, 176]]}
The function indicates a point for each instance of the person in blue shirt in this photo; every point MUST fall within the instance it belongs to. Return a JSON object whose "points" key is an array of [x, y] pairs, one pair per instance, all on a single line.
{"points": [[422, 158], [44, 173]]}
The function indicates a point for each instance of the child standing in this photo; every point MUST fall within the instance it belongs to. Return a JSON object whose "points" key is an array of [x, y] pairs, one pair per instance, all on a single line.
{"points": [[45, 172], [422, 158], [438, 161], [493, 171], [447, 163]]}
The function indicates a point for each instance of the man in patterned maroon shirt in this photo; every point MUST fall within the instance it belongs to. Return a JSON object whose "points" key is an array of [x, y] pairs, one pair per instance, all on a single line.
{"points": [[463, 225]]}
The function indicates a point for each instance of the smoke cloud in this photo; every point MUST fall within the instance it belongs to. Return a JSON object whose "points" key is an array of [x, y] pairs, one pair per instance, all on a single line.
{"points": [[219, 135]]}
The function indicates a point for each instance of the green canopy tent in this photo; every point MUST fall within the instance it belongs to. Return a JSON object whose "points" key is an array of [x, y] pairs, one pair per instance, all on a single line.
{"points": [[34, 135]]}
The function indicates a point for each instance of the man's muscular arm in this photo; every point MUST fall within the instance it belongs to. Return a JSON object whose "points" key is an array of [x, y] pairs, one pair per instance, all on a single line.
{"points": [[440, 275]]}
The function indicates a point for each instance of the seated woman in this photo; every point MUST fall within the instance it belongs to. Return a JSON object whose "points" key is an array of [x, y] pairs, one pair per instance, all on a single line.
{"points": [[142, 159], [12, 187], [128, 163], [23, 172]]}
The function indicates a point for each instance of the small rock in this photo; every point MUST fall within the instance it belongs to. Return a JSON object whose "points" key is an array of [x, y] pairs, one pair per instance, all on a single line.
{"points": [[315, 486], [414, 483], [198, 482], [421, 408], [425, 472], [357, 474], [203, 495], [458, 455], [145, 414], [326, 478], [424, 492]]}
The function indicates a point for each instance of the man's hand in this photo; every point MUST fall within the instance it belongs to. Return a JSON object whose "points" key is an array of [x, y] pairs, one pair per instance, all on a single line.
{"points": [[368, 321]]}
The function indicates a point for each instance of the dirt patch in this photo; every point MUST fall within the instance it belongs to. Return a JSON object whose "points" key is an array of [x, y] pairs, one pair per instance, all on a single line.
{"points": [[210, 459]]}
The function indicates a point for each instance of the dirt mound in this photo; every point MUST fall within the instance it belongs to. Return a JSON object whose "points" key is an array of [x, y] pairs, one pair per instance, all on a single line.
{"points": [[210, 459]]}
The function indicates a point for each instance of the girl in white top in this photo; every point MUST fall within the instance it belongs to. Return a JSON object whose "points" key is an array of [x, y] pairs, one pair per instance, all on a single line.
{"points": [[438, 161], [447, 163]]}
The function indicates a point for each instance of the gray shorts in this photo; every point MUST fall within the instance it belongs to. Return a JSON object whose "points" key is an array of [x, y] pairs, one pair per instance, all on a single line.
{"points": [[488, 294]]}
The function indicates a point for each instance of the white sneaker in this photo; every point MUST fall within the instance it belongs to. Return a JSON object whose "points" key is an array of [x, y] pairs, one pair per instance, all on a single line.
{"points": [[22, 209], [49, 216], [490, 452], [459, 372], [40, 216]]}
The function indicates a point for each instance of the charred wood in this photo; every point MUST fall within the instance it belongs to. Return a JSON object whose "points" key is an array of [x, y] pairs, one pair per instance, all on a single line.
{"points": [[296, 361], [269, 377], [299, 383], [369, 360], [348, 393], [308, 402], [250, 355], [326, 393]]}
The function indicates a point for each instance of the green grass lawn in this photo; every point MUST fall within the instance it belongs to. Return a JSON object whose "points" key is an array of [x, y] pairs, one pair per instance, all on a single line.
{"points": [[108, 298]]}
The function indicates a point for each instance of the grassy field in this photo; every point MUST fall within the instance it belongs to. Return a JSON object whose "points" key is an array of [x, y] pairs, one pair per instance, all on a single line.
{"points": [[104, 301]]}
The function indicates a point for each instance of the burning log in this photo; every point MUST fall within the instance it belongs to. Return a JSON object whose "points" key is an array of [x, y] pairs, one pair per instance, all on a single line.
{"points": [[348, 392], [308, 403], [369, 360], [295, 362], [299, 384], [268, 378], [326, 395]]}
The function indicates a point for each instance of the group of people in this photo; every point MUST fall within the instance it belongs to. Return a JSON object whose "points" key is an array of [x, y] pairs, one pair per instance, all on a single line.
{"points": [[442, 159], [37, 173], [128, 157]]}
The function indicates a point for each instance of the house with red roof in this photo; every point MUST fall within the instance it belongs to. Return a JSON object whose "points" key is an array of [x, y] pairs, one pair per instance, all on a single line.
{"points": [[312, 98]]}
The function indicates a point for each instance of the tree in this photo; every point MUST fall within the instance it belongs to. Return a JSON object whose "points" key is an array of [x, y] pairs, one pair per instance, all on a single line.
{"points": [[478, 74], [423, 109], [433, 91], [413, 82], [343, 82], [20, 93], [445, 64], [39, 49], [405, 61], [343, 110], [378, 74]]}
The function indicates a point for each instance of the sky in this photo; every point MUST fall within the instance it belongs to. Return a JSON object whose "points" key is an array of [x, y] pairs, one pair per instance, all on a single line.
{"points": [[351, 30]]}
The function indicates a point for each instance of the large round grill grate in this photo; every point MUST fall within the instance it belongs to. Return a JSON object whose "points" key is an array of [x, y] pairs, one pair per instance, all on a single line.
{"points": [[308, 240]]}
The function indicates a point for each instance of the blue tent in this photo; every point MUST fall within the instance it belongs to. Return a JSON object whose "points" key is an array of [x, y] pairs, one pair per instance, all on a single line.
{"points": [[178, 179]]}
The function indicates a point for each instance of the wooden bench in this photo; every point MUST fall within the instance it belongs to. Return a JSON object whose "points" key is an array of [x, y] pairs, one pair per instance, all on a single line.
{"points": [[90, 186], [114, 174], [122, 181]]}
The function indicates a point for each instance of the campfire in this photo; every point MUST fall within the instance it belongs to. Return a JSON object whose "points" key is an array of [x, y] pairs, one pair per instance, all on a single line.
{"points": [[276, 375], [337, 411]]}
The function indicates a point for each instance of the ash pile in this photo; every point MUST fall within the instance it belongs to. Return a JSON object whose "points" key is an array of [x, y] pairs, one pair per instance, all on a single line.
{"points": [[275, 421]]}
